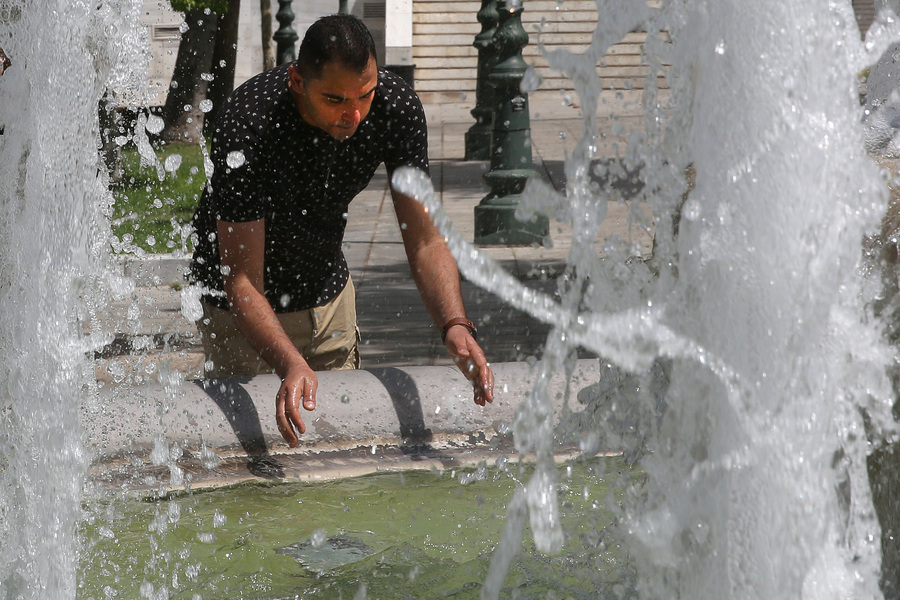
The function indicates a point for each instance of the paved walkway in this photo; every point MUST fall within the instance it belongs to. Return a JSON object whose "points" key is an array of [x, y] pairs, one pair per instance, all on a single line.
{"points": [[153, 336]]}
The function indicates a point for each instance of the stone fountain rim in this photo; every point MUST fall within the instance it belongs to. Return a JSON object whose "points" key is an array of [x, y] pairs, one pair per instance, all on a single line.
{"points": [[391, 419]]}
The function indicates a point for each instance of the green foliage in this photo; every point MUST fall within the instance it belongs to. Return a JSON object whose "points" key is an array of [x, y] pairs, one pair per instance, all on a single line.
{"points": [[216, 6], [151, 215]]}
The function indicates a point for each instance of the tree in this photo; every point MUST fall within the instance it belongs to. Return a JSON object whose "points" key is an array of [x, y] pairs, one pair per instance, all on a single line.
{"points": [[200, 54], [224, 59], [183, 110], [268, 44]]}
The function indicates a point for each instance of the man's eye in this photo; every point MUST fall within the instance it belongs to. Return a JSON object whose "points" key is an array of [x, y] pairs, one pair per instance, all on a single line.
{"points": [[334, 100]]}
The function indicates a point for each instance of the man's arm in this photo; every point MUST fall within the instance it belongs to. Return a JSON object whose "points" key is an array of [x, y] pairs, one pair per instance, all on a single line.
{"points": [[437, 278], [242, 247]]}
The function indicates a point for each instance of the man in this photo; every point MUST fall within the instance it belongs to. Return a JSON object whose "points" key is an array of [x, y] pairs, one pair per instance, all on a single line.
{"points": [[292, 147]]}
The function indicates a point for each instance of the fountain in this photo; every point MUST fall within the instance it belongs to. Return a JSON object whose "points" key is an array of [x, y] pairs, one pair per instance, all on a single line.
{"points": [[67, 55], [742, 368], [749, 336]]}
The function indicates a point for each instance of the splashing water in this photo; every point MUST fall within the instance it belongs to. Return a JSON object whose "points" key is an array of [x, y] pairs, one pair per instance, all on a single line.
{"points": [[67, 54], [747, 330]]}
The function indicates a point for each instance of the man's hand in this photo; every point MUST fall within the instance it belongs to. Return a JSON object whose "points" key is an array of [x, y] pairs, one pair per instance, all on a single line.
{"points": [[469, 357], [298, 387]]}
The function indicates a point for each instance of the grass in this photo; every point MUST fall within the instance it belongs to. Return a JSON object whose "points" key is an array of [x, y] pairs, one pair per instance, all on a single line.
{"points": [[151, 215]]}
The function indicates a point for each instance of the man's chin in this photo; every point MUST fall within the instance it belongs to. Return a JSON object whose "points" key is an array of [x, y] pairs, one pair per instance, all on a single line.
{"points": [[342, 133]]}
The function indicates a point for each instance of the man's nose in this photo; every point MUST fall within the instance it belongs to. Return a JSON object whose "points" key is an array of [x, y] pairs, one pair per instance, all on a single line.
{"points": [[351, 115]]}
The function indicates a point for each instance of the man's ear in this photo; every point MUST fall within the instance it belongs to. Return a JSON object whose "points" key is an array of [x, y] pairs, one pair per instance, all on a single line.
{"points": [[295, 80]]}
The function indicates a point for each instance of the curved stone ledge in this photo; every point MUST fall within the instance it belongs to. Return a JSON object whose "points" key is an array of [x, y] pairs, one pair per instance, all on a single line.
{"points": [[233, 419]]}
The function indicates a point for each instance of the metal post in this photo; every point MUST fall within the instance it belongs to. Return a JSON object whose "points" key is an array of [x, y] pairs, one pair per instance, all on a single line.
{"points": [[342, 7], [495, 221], [478, 137], [285, 37]]}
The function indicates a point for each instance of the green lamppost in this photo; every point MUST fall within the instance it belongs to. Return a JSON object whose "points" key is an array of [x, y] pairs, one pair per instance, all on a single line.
{"points": [[495, 221], [285, 37], [478, 137]]}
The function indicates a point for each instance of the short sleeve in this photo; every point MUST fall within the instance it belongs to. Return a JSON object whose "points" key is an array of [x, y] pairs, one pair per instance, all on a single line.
{"points": [[407, 128], [237, 190]]}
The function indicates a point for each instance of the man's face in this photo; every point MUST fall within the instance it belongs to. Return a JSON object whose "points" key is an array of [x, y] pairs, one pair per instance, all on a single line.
{"points": [[337, 101]]}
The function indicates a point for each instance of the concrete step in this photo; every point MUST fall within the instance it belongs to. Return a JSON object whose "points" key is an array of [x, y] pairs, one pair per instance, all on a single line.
{"points": [[446, 60]]}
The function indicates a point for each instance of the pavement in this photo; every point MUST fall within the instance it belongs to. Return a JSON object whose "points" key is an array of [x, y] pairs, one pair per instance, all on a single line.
{"points": [[152, 335]]}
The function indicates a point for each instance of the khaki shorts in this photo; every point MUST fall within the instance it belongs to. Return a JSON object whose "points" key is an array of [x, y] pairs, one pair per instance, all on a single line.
{"points": [[327, 337]]}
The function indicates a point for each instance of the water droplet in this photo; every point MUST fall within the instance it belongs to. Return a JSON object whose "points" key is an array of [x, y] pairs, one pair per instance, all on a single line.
{"points": [[318, 538], [172, 163], [208, 456], [720, 47], [691, 210], [219, 519], [206, 105], [235, 159], [155, 124], [190, 304], [531, 81]]}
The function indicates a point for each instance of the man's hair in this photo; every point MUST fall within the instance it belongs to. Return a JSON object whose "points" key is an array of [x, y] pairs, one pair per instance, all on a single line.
{"points": [[342, 38]]}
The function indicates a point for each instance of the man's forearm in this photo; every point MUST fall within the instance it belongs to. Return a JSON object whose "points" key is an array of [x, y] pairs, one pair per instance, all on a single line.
{"points": [[433, 267], [260, 325], [437, 278]]}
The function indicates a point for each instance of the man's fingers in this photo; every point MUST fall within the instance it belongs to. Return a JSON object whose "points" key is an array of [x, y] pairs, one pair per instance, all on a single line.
{"points": [[281, 419], [287, 409], [484, 386], [292, 408], [487, 383], [287, 432], [479, 396], [470, 359], [479, 371], [309, 394], [293, 416]]}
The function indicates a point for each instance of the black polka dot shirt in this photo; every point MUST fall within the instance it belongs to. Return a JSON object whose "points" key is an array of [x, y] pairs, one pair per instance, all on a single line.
{"points": [[269, 163]]}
